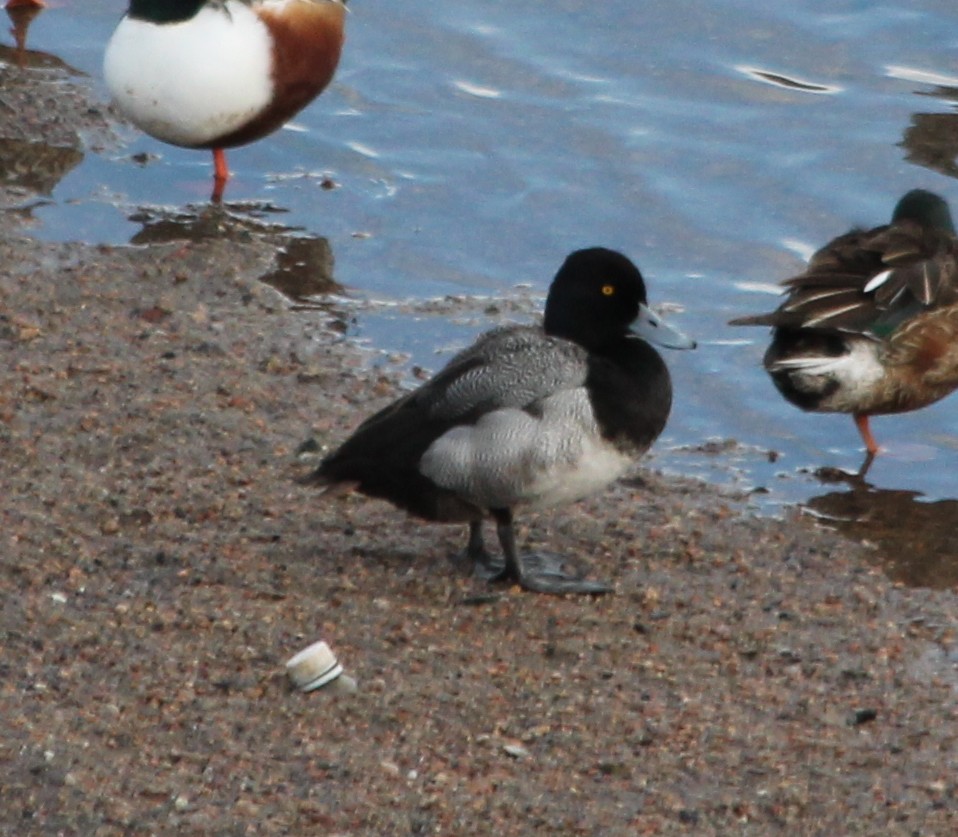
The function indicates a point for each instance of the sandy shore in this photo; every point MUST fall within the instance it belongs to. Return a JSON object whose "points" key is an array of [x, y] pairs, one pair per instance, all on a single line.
{"points": [[160, 564]]}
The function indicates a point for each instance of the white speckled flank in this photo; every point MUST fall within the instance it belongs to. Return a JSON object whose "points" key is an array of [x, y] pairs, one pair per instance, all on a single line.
{"points": [[173, 74], [509, 457]]}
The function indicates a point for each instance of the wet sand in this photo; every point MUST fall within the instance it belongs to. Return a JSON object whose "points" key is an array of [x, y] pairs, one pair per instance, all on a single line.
{"points": [[160, 563]]}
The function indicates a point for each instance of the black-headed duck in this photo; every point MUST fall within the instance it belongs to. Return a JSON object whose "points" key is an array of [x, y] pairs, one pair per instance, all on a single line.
{"points": [[527, 417]]}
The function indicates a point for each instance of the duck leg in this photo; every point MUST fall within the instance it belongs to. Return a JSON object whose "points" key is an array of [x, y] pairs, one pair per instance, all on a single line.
{"points": [[476, 556], [221, 173], [540, 572], [861, 422]]}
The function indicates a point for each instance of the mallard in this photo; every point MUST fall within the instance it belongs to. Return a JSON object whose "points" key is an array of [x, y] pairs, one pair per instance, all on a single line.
{"points": [[221, 73], [527, 417], [871, 326]]}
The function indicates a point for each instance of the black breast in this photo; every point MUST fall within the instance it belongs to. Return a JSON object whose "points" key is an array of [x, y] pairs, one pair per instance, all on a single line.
{"points": [[631, 395]]}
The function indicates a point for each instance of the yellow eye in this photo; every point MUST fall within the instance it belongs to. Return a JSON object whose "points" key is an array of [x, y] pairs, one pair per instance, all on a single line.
{"points": [[608, 290]]}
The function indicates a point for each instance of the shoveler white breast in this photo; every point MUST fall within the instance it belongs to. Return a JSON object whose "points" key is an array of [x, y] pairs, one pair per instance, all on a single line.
{"points": [[221, 73]]}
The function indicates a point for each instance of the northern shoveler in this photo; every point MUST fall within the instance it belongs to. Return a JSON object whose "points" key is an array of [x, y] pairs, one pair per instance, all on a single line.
{"points": [[528, 416], [871, 326], [221, 73]]}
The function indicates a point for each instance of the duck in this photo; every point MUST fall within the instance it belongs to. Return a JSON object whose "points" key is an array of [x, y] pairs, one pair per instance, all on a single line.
{"points": [[870, 327], [216, 74], [528, 417]]}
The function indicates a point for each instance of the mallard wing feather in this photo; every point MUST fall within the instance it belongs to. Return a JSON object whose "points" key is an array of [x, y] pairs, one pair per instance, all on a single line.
{"points": [[869, 281]]}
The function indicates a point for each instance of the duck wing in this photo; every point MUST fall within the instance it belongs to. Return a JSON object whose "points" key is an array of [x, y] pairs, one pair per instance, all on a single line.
{"points": [[507, 367], [512, 367], [870, 281]]}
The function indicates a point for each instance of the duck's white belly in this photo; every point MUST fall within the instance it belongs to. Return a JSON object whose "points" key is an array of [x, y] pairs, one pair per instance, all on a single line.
{"points": [[511, 458], [565, 482], [192, 82]]}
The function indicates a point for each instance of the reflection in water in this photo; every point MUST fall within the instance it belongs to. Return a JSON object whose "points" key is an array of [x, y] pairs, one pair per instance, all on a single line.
{"points": [[18, 55], [932, 138], [918, 542], [27, 163], [35, 166], [304, 270], [233, 221], [20, 18], [932, 141], [304, 264]]}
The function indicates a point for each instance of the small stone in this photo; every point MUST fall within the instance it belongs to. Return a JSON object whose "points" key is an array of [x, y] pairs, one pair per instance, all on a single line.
{"points": [[310, 446], [27, 333], [516, 750], [862, 716]]}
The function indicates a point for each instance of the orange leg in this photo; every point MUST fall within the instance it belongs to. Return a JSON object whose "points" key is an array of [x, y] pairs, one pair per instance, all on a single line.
{"points": [[13, 4], [861, 422], [221, 174]]}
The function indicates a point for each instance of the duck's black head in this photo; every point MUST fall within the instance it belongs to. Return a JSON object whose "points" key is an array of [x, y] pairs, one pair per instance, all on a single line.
{"points": [[598, 299], [925, 208], [594, 297]]}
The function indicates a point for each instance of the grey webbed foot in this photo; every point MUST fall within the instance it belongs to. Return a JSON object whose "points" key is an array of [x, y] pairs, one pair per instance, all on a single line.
{"points": [[539, 572], [548, 572]]}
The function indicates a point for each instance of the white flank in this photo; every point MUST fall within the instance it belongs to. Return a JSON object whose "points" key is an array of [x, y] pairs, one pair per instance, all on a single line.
{"points": [[856, 372], [189, 83], [510, 458]]}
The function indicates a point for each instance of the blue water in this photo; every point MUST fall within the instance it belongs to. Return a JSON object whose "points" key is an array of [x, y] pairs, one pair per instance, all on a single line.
{"points": [[475, 143]]}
